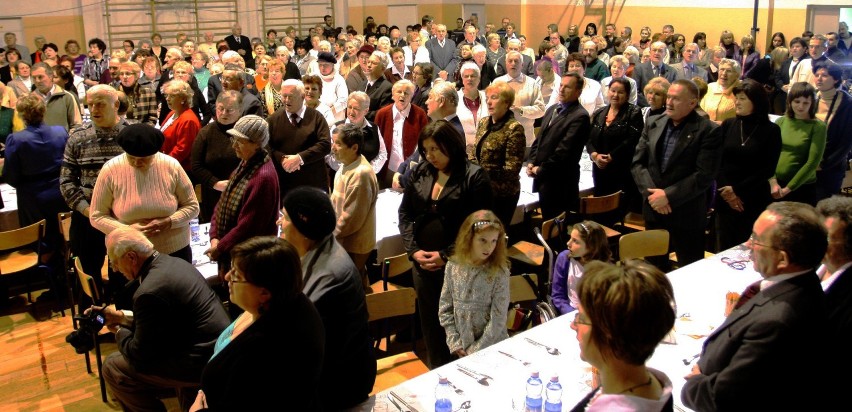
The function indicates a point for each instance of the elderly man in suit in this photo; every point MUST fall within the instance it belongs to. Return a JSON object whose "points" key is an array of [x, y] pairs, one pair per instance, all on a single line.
{"points": [[554, 160], [654, 67], [240, 44], [442, 53], [376, 86], [687, 68], [299, 140], [529, 105], [675, 163], [767, 352]]}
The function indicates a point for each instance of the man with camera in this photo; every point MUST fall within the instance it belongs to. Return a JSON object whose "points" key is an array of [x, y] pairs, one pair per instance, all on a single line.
{"points": [[169, 336]]}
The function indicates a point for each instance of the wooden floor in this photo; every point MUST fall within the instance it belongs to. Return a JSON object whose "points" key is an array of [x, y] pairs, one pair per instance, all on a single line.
{"points": [[39, 371]]}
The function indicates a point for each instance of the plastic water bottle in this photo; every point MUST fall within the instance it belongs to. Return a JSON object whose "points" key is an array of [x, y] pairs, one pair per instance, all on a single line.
{"points": [[534, 387], [442, 396], [194, 231], [553, 395]]}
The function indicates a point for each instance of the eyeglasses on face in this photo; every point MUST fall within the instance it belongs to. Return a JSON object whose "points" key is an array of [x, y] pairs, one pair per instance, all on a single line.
{"points": [[578, 320], [752, 241]]}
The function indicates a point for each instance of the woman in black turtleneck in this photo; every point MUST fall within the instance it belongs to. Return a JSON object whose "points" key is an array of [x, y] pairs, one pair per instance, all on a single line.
{"points": [[751, 147], [213, 157]]}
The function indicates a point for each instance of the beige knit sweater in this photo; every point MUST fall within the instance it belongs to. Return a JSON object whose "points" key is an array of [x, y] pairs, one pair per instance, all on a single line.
{"points": [[125, 195], [354, 200]]}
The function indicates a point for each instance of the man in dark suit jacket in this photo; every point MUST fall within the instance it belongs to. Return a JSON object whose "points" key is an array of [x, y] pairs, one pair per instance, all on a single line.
{"points": [[232, 79], [527, 68], [774, 339], [442, 53], [240, 44], [487, 74], [654, 67], [554, 160], [675, 163], [298, 146], [175, 322], [836, 214], [686, 68], [376, 86]]}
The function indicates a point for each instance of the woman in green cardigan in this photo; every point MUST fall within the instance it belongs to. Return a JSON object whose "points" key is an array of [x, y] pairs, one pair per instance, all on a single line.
{"points": [[802, 144]]}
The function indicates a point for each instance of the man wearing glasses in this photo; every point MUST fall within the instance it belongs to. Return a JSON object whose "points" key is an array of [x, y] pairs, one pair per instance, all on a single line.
{"points": [[767, 354]]}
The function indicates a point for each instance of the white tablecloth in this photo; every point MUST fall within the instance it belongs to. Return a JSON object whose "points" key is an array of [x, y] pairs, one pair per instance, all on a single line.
{"points": [[9, 212], [700, 290]]}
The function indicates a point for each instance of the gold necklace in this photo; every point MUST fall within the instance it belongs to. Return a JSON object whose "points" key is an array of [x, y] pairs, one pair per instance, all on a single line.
{"points": [[743, 142]]}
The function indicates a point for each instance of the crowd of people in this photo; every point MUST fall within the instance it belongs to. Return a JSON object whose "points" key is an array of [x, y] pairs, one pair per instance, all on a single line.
{"points": [[296, 137]]}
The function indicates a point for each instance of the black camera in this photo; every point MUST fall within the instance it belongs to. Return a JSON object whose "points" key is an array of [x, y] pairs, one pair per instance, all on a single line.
{"points": [[88, 326]]}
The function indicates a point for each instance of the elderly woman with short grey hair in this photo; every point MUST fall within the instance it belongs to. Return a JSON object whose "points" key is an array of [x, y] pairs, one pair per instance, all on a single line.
{"points": [[248, 206]]}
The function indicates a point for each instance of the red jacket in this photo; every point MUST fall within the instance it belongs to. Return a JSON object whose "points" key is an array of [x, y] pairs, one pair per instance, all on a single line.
{"points": [[414, 123], [180, 135]]}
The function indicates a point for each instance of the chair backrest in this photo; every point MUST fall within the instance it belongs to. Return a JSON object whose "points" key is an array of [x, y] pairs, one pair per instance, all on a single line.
{"points": [[520, 290], [552, 228], [591, 205], [387, 304], [395, 265], [16, 238], [642, 244], [65, 225], [87, 283]]}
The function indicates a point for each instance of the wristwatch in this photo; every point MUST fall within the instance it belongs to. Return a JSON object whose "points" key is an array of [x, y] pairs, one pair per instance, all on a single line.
{"points": [[443, 256]]}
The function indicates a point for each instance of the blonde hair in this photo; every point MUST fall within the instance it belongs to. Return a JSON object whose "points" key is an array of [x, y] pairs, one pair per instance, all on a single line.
{"points": [[180, 88], [479, 222]]}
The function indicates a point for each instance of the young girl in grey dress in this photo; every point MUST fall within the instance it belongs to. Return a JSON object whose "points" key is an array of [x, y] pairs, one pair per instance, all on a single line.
{"points": [[475, 294]]}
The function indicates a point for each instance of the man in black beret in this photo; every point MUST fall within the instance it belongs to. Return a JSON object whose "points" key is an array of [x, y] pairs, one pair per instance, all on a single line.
{"points": [[333, 284]]}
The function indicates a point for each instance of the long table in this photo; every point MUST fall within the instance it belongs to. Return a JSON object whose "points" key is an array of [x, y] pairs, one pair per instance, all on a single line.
{"points": [[389, 240], [700, 290]]}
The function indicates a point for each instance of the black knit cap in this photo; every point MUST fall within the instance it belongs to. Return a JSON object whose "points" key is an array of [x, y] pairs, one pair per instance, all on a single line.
{"points": [[140, 140], [311, 212]]}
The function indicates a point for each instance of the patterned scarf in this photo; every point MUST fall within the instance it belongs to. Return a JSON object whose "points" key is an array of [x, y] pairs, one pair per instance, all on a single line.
{"points": [[231, 201], [272, 99]]}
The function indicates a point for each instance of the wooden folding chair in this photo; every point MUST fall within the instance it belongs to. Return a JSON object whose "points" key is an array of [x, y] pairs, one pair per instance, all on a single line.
{"points": [[391, 267], [592, 206], [642, 244], [87, 285], [395, 369], [20, 251], [65, 229]]}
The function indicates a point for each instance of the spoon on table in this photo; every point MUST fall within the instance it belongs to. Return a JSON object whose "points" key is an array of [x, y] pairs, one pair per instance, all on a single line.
{"points": [[480, 378], [525, 363], [552, 351]]}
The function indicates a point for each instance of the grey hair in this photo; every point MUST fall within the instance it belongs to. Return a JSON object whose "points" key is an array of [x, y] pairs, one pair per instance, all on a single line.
{"points": [[362, 98], [470, 66], [407, 84], [300, 87], [447, 90], [103, 91], [127, 239]]}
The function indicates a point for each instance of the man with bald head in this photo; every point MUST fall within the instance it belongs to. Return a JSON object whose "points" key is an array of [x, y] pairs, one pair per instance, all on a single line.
{"points": [[595, 68], [654, 67]]}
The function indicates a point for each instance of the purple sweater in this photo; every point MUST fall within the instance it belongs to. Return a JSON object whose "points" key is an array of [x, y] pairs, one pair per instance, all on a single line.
{"points": [[258, 213]]}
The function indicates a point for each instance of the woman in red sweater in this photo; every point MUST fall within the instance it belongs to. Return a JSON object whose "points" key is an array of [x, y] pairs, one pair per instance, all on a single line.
{"points": [[181, 125]]}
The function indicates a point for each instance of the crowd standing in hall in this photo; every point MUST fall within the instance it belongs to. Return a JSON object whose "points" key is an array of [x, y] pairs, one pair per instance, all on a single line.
{"points": [[298, 135]]}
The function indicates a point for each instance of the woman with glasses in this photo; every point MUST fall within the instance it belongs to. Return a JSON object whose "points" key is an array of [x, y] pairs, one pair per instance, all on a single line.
{"points": [[141, 101], [265, 281], [249, 203], [213, 157], [588, 242], [421, 76], [624, 313]]}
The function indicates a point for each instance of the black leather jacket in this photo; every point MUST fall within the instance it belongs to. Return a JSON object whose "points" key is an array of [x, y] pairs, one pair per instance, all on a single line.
{"points": [[467, 190]]}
